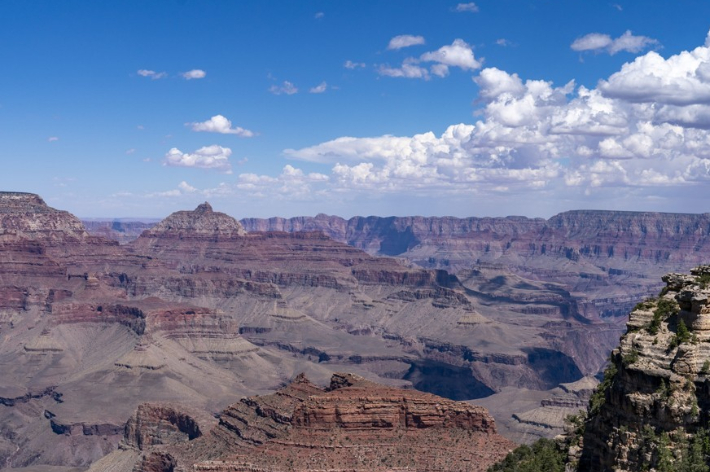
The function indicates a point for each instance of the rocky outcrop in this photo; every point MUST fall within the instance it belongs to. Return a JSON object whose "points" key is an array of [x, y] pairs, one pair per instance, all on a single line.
{"points": [[161, 424], [27, 215], [353, 425], [654, 399], [200, 223]]}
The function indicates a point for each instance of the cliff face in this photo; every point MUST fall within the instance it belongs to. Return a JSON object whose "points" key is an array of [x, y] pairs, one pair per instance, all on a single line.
{"points": [[653, 407], [353, 425]]}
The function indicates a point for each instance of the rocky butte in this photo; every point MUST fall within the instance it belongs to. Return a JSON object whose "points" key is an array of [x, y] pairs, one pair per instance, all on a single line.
{"points": [[353, 425]]}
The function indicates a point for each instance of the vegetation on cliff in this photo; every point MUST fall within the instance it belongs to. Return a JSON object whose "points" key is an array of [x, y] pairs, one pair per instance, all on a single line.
{"points": [[651, 412]]}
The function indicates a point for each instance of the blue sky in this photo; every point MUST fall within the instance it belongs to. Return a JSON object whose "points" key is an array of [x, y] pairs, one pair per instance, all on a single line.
{"points": [[264, 108]]}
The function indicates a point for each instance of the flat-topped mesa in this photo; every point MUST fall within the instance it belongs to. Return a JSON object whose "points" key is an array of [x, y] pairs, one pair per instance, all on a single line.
{"points": [[28, 216], [200, 223]]}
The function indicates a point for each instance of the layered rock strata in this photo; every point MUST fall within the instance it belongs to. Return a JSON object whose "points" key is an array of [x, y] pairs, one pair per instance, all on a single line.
{"points": [[353, 425], [655, 398]]}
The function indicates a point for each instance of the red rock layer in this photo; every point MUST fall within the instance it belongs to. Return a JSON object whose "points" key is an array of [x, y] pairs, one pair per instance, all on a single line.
{"points": [[354, 425]]}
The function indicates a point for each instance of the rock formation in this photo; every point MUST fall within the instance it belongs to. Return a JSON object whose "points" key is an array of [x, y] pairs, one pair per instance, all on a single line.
{"points": [[653, 405], [352, 425]]}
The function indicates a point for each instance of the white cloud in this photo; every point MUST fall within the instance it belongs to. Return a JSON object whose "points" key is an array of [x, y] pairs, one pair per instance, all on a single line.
{"points": [[320, 88], [408, 70], [405, 41], [503, 42], [208, 157], [286, 88], [319, 15], [680, 80], [187, 188], [152, 74], [458, 54], [598, 42], [220, 124], [354, 65], [194, 74], [291, 183], [467, 7], [131, 151], [52, 139]]}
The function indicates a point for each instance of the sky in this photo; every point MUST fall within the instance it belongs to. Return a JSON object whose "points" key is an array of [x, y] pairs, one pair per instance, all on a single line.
{"points": [[392, 107]]}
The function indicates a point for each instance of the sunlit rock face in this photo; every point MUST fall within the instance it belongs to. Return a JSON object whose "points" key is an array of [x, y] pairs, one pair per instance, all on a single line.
{"points": [[353, 424]]}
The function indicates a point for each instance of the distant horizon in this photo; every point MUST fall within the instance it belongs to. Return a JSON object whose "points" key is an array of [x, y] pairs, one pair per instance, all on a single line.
{"points": [[590, 210]]}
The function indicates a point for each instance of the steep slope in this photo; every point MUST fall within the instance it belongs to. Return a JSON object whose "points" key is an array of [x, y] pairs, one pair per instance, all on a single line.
{"points": [[352, 425]]}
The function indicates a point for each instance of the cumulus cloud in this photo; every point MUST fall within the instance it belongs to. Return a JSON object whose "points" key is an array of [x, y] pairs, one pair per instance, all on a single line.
{"points": [[320, 88], [598, 42], [220, 124], [152, 74], [458, 54], [286, 88], [405, 41], [194, 74], [467, 7], [208, 157]]}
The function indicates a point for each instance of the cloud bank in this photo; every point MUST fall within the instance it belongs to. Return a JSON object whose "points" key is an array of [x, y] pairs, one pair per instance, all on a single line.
{"points": [[644, 129]]}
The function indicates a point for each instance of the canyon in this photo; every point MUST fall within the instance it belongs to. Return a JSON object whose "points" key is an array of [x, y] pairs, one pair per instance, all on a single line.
{"points": [[200, 311], [575, 276]]}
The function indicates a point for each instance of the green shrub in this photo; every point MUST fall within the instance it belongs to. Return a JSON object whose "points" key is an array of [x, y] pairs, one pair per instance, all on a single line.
{"points": [[682, 335], [663, 310], [599, 396], [630, 357], [542, 456]]}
